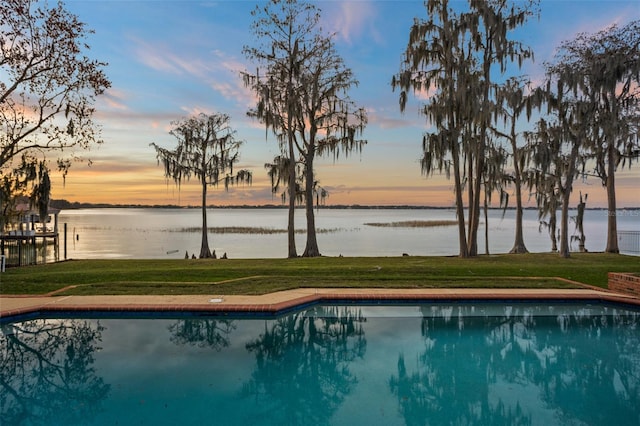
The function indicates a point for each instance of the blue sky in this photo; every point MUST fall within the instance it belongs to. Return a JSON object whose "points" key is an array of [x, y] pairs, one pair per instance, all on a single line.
{"points": [[171, 59]]}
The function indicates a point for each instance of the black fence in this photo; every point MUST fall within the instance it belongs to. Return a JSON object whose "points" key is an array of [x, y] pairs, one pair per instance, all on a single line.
{"points": [[629, 242]]}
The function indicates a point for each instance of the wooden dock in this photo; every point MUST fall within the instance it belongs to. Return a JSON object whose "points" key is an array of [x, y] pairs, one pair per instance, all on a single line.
{"points": [[21, 250], [29, 241]]}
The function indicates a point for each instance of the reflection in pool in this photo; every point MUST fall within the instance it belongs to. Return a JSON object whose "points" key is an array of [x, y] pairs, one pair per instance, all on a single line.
{"points": [[436, 364]]}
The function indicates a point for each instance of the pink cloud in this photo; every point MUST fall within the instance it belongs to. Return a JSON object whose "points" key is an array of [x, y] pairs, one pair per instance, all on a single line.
{"points": [[350, 20], [114, 99], [218, 69]]}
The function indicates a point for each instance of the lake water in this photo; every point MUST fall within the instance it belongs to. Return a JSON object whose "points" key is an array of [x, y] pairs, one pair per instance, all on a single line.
{"points": [[437, 364], [161, 233]]}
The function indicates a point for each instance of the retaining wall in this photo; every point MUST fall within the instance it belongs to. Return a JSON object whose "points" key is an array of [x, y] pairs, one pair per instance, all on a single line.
{"points": [[624, 283]]}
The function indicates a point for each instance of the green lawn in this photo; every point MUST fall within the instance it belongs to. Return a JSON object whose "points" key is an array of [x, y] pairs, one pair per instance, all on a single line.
{"points": [[258, 276]]}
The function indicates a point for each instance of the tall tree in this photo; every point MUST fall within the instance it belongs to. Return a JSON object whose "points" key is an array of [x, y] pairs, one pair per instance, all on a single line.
{"points": [[328, 123], [513, 101], [561, 147], [207, 150], [548, 200], [494, 180], [47, 85], [605, 68], [454, 56], [490, 22], [284, 30], [436, 60], [543, 180], [303, 98]]}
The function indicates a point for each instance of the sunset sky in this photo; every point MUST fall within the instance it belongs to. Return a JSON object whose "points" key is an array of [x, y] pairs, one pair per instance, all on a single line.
{"points": [[171, 59]]}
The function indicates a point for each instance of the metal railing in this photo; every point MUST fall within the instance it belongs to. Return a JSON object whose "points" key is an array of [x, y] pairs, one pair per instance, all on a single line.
{"points": [[629, 242]]}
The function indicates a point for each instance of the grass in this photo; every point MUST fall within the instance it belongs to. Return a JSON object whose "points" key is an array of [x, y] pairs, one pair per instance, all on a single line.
{"points": [[259, 276]]}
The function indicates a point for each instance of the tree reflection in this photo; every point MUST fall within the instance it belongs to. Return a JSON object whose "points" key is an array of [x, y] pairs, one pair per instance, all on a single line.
{"points": [[587, 354], [213, 333], [302, 362], [46, 372], [518, 368]]}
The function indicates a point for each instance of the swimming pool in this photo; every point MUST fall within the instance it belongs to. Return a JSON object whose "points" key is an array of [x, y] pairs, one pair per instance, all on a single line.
{"points": [[502, 363]]}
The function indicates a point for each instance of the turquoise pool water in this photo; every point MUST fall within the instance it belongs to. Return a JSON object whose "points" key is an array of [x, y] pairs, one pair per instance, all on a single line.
{"points": [[435, 364]]}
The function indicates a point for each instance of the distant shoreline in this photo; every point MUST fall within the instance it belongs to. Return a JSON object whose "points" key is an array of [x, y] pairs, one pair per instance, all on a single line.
{"points": [[69, 205]]}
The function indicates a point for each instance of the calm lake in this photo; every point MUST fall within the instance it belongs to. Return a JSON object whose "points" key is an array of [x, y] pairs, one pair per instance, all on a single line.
{"points": [[169, 233]]}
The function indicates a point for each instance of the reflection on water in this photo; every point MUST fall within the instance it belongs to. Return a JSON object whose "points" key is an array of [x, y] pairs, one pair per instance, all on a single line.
{"points": [[211, 333], [436, 364], [47, 373], [518, 368], [302, 373]]}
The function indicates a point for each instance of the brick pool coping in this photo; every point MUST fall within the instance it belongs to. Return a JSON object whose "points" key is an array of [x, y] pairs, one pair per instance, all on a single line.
{"points": [[279, 302]]}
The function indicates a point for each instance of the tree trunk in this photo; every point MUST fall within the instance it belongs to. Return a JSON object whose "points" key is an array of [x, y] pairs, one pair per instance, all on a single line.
{"points": [[480, 148], [462, 237], [612, 218], [580, 223], [311, 249], [566, 195], [474, 210], [291, 224], [205, 252], [564, 224], [469, 198], [486, 222], [518, 245], [553, 221]]}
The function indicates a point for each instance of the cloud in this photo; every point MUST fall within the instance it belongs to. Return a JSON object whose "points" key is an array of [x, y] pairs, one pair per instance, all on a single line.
{"points": [[424, 94], [216, 69], [126, 119], [161, 58], [228, 82], [114, 99], [122, 179], [423, 193], [391, 188], [352, 20], [156, 57], [565, 26], [391, 120]]}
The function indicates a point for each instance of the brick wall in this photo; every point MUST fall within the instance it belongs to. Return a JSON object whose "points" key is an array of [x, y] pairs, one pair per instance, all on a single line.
{"points": [[624, 283]]}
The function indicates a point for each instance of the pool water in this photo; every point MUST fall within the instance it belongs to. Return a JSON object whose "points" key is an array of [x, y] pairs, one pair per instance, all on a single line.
{"points": [[435, 364]]}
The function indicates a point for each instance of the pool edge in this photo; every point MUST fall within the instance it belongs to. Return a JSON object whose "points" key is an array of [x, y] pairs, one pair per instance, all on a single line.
{"points": [[282, 302]]}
